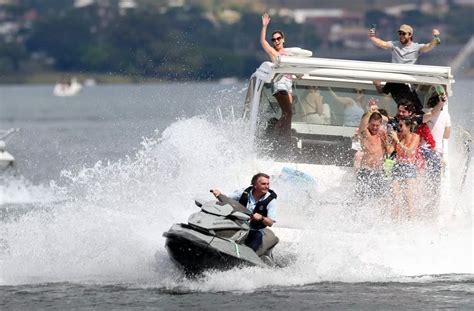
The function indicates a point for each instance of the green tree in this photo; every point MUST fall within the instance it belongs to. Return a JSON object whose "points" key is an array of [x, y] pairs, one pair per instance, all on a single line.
{"points": [[12, 54]]}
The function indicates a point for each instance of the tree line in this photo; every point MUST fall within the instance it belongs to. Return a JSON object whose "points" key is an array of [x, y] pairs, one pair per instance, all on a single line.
{"points": [[176, 43], [180, 43]]}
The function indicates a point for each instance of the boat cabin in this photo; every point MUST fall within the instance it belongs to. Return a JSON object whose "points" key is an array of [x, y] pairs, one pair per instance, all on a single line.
{"points": [[329, 98]]}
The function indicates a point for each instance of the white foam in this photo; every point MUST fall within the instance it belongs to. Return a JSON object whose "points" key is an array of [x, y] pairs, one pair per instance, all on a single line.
{"points": [[108, 225]]}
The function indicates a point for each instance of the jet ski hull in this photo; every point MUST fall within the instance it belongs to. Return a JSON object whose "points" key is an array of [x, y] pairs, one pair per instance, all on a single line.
{"points": [[197, 252]]}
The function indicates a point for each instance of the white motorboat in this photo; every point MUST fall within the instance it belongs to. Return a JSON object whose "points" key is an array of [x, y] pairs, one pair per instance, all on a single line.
{"points": [[64, 89], [6, 159], [323, 150]]}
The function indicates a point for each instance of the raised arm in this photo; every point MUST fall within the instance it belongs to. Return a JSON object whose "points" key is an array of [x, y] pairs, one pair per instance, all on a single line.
{"points": [[377, 41], [263, 33], [378, 86], [346, 101], [373, 107], [364, 122], [434, 42], [436, 109]]}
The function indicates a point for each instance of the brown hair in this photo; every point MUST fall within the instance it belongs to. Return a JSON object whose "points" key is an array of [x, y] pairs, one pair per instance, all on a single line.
{"points": [[375, 116], [409, 105], [409, 122], [257, 176], [279, 32], [433, 100], [383, 112]]}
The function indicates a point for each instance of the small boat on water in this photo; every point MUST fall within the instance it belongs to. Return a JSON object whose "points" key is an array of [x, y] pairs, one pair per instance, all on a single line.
{"points": [[228, 81], [90, 82], [6, 159], [64, 89]]}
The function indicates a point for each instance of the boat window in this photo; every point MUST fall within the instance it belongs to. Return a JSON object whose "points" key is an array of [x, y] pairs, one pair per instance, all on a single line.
{"points": [[323, 105], [325, 117]]}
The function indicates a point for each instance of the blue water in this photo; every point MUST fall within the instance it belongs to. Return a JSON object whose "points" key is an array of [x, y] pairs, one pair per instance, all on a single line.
{"points": [[101, 175]]}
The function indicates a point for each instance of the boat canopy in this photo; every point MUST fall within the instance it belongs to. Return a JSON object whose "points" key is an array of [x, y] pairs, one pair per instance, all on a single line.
{"points": [[362, 71]]}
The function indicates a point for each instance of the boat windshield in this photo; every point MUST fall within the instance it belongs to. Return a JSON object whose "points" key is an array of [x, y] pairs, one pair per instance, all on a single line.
{"points": [[325, 116], [326, 105]]}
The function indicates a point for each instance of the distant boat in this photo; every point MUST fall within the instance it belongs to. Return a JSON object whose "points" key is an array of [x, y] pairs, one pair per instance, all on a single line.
{"points": [[228, 81], [6, 159], [90, 82], [64, 89]]}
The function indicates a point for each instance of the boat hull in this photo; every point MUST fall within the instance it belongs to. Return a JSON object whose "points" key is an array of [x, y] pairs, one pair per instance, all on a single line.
{"points": [[6, 160]]}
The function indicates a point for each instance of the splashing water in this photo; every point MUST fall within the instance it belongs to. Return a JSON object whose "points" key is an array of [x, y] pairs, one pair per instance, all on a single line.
{"points": [[104, 224]]}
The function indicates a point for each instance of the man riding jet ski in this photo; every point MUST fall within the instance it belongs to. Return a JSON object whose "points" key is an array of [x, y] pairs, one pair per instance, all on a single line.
{"points": [[225, 234]]}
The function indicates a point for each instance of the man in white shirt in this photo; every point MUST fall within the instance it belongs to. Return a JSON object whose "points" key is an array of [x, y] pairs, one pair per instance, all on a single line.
{"points": [[439, 123], [405, 51]]}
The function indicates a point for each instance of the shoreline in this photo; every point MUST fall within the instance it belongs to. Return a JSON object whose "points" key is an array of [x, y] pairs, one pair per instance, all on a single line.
{"points": [[376, 55], [52, 78]]}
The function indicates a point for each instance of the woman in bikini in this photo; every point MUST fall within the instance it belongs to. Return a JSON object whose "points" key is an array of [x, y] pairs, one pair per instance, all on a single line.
{"points": [[281, 87], [404, 171]]}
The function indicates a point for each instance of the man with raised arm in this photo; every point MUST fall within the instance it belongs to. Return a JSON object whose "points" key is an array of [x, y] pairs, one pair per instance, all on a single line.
{"points": [[260, 200], [370, 177], [405, 51]]}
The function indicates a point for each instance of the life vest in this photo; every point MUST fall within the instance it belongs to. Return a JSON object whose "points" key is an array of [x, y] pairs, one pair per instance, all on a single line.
{"points": [[260, 207]]}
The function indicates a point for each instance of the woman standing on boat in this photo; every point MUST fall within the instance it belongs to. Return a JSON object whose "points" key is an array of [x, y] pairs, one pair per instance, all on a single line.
{"points": [[281, 87], [405, 143]]}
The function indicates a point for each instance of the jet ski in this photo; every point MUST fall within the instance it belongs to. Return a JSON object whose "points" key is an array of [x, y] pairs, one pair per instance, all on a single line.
{"points": [[214, 238]]}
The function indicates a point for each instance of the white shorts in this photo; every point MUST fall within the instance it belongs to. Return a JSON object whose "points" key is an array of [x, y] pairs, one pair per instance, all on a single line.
{"points": [[284, 84]]}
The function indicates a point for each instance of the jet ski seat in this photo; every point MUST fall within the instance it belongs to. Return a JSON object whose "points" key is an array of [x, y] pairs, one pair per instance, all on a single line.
{"points": [[269, 238], [269, 241]]}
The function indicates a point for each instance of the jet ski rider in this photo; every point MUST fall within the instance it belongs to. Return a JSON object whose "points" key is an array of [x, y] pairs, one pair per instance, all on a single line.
{"points": [[261, 201]]}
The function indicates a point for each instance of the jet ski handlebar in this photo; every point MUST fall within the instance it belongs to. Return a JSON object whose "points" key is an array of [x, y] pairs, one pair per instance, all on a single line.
{"points": [[235, 205]]}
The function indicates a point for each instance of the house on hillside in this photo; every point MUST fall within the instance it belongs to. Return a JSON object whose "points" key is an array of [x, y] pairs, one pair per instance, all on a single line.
{"points": [[123, 5]]}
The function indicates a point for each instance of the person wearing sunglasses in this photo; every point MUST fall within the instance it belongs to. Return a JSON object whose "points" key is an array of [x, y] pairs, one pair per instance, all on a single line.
{"points": [[405, 142], [283, 86], [405, 51]]}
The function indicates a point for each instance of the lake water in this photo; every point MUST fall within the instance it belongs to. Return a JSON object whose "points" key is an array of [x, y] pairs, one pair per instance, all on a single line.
{"points": [[100, 176]]}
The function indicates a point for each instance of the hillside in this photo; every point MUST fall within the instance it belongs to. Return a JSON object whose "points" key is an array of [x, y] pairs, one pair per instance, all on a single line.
{"points": [[200, 39]]}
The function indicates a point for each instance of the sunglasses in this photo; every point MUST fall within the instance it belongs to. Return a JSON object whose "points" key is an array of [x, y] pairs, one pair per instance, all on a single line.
{"points": [[402, 33], [276, 39]]}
